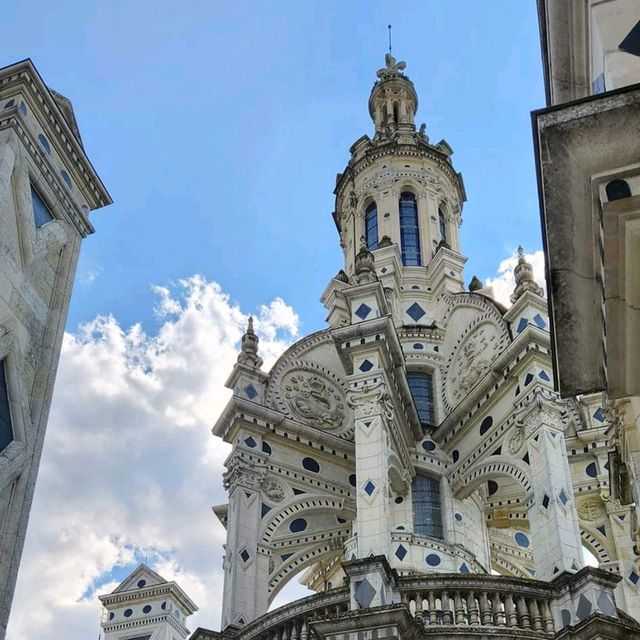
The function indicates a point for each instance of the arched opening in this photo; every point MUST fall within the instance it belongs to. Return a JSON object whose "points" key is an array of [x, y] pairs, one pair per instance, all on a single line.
{"points": [[409, 232], [371, 226], [442, 222], [617, 190]]}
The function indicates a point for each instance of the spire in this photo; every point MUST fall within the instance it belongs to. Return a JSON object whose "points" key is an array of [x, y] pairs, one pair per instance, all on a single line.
{"points": [[523, 273], [249, 350]]}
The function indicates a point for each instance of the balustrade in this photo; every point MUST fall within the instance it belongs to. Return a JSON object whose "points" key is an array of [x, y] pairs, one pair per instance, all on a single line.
{"points": [[437, 600], [487, 601]]}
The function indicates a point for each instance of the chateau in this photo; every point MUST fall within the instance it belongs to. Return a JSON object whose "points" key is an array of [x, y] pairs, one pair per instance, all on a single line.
{"points": [[411, 463], [431, 464]]}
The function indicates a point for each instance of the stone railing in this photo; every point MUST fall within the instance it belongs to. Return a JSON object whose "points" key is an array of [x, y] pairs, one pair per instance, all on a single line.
{"points": [[433, 601], [479, 601], [291, 621]]}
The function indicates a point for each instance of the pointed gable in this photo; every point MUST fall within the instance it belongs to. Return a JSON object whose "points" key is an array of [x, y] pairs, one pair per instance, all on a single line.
{"points": [[140, 578]]}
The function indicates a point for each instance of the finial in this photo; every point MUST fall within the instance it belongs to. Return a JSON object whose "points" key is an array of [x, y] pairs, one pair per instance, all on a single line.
{"points": [[523, 273], [392, 67], [249, 350], [389, 27], [364, 268], [475, 284]]}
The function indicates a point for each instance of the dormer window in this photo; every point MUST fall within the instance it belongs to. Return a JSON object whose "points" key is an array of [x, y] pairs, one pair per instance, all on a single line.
{"points": [[41, 212], [409, 232], [371, 226]]}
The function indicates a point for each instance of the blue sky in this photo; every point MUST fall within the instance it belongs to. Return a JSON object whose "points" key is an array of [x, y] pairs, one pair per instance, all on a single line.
{"points": [[218, 128]]}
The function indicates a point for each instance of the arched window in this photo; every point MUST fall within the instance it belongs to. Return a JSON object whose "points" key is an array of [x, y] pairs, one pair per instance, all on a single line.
{"points": [[442, 221], [409, 234], [421, 386], [617, 190], [427, 507], [371, 226]]}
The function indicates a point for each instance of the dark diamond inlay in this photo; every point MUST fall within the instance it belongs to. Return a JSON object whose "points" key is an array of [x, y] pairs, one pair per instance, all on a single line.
{"points": [[363, 311], [415, 312]]}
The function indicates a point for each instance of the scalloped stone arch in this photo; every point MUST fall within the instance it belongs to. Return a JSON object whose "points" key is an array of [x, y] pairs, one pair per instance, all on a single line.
{"points": [[496, 467], [595, 546], [300, 561], [304, 505]]}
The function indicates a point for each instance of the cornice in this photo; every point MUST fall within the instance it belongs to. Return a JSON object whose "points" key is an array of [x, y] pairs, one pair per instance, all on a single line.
{"points": [[24, 75], [418, 149], [152, 592]]}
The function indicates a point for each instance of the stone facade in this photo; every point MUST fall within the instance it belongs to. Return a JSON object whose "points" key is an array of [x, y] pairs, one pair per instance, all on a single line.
{"points": [[588, 162], [47, 188], [414, 448], [145, 606]]}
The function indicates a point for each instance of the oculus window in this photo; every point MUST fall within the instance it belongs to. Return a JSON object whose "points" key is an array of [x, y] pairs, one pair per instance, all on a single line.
{"points": [[409, 233], [6, 429], [427, 508], [41, 213], [421, 386], [371, 226]]}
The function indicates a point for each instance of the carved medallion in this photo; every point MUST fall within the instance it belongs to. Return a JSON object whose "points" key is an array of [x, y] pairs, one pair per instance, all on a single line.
{"points": [[273, 490], [472, 360], [313, 398], [591, 509]]}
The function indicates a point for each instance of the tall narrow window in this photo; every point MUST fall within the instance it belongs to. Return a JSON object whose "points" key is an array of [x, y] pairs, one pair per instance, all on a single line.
{"points": [[6, 430], [427, 508], [41, 213], [443, 226], [421, 386], [371, 226], [409, 234]]}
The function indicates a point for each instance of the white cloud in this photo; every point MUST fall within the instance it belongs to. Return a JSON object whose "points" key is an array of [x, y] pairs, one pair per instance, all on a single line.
{"points": [[130, 468], [504, 283]]}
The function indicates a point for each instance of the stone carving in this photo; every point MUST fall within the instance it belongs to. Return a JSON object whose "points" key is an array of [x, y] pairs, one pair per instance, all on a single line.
{"points": [[314, 399], [591, 509], [517, 439], [240, 472], [273, 490], [474, 357], [392, 68]]}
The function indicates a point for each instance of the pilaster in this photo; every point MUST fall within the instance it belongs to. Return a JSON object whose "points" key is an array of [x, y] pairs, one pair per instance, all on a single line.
{"points": [[555, 532]]}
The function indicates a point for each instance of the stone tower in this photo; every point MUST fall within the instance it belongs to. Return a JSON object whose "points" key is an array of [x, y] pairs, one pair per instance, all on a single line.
{"points": [[144, 606], [412, 461], [47, 188]]}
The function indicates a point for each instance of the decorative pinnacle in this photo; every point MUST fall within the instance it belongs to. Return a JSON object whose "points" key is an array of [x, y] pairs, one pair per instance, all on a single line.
{"points": [[364, 269], [523, 273], [249, 350]]}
